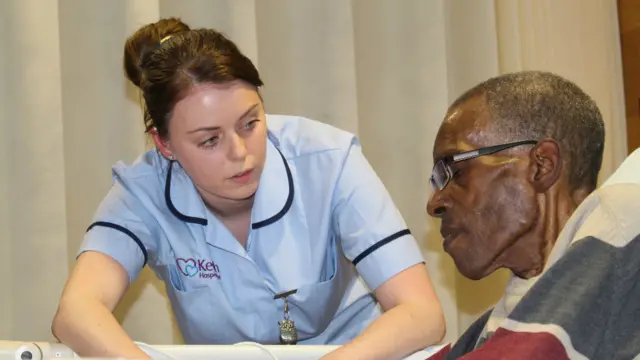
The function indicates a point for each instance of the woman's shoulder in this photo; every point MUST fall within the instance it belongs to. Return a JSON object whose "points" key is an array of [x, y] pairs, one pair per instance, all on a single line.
{"points": [[137, 189], [144, 175], [148, 163], [299, 136]]}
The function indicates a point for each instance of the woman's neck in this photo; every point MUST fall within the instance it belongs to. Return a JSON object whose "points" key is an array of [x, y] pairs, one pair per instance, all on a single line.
{"points": [[224, 208], [230, 209]]}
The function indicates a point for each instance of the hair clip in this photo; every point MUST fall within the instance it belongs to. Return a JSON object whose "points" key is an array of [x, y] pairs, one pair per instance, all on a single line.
{"points": [[163, 40]]}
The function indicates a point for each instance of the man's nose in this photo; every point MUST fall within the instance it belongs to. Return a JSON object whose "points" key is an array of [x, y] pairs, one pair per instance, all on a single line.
{"points": [[437, 204]]}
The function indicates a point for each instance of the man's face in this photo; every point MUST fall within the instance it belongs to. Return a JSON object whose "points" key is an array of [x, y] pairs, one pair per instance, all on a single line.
{"points": [[489, 204]]}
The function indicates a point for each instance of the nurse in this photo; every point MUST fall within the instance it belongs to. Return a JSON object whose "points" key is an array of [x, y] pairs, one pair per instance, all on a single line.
{"points": [[264, 228]]}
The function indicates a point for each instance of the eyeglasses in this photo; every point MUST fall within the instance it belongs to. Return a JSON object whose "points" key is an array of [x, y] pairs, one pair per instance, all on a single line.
{"points": [[445, 169]]}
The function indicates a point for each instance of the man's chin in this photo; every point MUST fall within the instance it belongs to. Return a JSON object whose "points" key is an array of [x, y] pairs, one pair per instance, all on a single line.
{"points": [[472, 275], [472, 271]]}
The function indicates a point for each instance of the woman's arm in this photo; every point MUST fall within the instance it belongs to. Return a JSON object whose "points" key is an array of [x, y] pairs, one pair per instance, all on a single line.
{"points": [[376, 239], [84, 320], [412, 320]]}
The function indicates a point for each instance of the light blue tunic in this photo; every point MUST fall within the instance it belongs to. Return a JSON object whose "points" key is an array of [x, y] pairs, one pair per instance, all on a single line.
{"points": [[320, 214]]}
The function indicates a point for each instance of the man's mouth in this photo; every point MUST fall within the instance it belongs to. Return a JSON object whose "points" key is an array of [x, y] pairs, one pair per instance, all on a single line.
{"points": [[448, 235]]}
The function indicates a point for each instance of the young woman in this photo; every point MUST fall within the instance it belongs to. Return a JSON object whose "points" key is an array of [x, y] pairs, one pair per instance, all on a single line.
{"points": [[264, 228]]}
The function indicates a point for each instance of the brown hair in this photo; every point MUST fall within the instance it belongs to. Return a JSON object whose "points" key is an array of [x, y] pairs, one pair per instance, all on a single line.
{"points": [[165, 59]]}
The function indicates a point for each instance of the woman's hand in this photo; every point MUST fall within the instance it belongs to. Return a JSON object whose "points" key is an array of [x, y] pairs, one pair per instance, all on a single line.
{"points": [[84, 320], [412, 321]]}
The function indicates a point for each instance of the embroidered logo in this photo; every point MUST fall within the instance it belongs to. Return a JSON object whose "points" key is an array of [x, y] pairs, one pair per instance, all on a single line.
{"points": [[205, 269]]}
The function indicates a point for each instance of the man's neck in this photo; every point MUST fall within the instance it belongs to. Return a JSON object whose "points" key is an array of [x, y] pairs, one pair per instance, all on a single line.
{"points": [[558, 213], [555, 211]]}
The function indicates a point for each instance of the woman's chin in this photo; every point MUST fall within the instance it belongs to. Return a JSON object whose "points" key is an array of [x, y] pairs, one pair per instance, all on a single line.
{"points": [[243, 192]]}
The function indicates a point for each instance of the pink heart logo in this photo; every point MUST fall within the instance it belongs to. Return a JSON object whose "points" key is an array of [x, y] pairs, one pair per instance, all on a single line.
{"points": [[187, 267]]}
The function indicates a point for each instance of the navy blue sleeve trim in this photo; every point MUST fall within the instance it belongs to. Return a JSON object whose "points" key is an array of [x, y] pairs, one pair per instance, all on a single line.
{"points": [[125, 231], [379, 244]]}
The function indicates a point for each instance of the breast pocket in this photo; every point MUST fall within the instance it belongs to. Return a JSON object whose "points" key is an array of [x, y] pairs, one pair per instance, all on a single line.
{"points": [[313, 306], [171, 277], [192, 307]]}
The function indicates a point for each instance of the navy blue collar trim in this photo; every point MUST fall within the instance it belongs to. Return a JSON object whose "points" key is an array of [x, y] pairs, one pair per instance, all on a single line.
{"points": [[172, 208], [201, 221], [287, 205]]}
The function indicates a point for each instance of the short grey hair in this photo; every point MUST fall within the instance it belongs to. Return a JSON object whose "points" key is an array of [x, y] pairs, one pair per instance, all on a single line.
{"points": [[533, 105]]}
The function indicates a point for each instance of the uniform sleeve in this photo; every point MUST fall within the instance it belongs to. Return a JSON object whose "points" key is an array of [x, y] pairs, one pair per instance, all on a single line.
{"points": [[119, 232], [373, 234]]}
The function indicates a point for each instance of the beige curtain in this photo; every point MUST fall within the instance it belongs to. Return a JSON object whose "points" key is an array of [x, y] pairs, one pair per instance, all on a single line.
{"points": [[384, 69]]}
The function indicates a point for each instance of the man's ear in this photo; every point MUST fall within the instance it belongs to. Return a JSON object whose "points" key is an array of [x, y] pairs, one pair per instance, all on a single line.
{"points": [[162, 145], [546, 165]]}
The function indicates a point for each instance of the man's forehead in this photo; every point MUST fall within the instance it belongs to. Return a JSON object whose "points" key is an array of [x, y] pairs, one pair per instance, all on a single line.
{"points": [[465, 127]]}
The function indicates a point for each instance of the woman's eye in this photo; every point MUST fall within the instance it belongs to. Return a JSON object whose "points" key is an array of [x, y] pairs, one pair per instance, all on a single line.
{"points": [[212, 141], [251, 124]]}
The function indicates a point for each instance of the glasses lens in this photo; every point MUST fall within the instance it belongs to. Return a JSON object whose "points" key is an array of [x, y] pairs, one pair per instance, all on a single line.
{"points": [[440, 175]]}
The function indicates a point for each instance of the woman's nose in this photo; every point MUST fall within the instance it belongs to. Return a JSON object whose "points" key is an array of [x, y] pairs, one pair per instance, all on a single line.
{"points": [[238, 148]]}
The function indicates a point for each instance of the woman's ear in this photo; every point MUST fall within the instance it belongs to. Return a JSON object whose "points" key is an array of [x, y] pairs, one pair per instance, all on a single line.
{"points": [[546, 165], [162, 145]]}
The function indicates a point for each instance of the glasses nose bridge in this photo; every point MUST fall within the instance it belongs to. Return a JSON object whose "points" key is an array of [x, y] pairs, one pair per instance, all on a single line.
{"points": [[441, 178], [442, 173]]}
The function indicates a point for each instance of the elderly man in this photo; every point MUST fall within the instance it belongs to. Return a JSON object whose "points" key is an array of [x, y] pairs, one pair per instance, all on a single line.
{"points": [[516, 165]]}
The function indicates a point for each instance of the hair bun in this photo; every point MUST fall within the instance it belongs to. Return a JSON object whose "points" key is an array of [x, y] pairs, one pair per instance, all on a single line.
{"points": [[145, 41]]}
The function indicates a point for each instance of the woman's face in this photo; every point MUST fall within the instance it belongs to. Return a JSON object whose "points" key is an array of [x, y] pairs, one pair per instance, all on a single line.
{"points": [[218, 134]]}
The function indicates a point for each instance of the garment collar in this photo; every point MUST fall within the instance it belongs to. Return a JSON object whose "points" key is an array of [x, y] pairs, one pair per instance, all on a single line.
{"points": [[273, 198]]}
